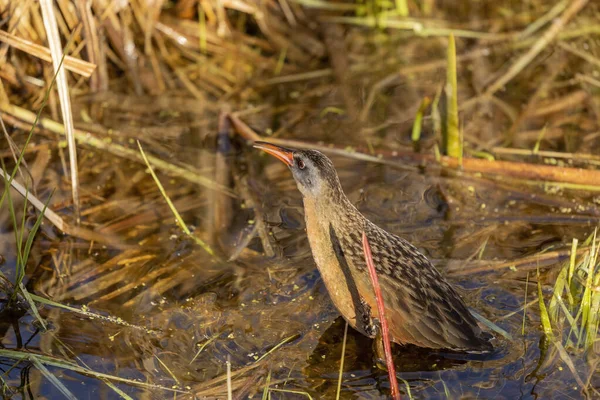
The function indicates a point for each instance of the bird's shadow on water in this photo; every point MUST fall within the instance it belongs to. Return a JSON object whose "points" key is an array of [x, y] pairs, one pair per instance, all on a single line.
{"points": [[424, 371], [360, 355]]}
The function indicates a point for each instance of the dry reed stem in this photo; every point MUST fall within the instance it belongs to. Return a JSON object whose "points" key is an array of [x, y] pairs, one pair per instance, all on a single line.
{"points": [[541, 173], [229, 387], [73, 64], [98, 81], [582, 157], [526, 263], [62, 86], [548, 36], [587, 56], [60, 223], [544, 19], [54, 218]]}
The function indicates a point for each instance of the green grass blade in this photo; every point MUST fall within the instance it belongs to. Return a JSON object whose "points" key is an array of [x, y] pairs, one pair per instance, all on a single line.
{"points": [[23, 252], [586, 300], [93, 315], [569, 363], [166, 367], [341, 371], [117, 390], [453, 141], [22, 264], [572, 261], [33, 232], [559, 287], [490, 324], [52, 378], [203, 346], [18, 233], [265, 394], [278, 345], [446, 391], [32, 305], [572, 321], [536, 147], [408, 392], [418, 123], [592, 326], [545, 318], [5, 389], [71, 366], [180, 220]]}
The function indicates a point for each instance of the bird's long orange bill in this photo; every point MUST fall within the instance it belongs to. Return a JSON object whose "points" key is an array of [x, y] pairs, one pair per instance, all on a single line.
{"points": [[285, 155]]}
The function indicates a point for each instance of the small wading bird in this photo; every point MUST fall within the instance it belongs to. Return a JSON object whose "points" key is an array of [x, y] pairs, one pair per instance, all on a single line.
{"points": [[421, 307]]}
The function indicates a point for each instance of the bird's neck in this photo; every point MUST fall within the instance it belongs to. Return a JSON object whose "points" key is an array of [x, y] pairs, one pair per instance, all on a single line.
{"points": [[331, 210]]}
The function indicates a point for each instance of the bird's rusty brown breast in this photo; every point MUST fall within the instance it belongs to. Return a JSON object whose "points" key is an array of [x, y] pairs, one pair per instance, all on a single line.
{"points": [[346, 286]]}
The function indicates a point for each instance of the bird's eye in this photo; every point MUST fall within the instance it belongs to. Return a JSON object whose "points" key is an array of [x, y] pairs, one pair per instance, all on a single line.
{"points": [[301, 164]]}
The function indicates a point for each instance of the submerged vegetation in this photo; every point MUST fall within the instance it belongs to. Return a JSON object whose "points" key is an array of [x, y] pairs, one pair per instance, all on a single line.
{"points": [[146, 250]]}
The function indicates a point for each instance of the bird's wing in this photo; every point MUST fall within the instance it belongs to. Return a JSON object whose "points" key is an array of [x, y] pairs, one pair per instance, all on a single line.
{"points": [[422, 307]]}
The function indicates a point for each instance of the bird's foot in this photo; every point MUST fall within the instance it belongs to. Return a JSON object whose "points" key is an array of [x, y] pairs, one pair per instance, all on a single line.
{"points": [[372, 329], [378, 350]]}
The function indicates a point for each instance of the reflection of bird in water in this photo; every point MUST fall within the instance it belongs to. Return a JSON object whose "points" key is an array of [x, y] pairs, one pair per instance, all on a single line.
{"points": [[422, 308]]}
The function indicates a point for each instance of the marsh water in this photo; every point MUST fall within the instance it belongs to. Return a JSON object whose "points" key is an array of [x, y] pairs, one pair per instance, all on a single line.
{"points": [[153, 315]]}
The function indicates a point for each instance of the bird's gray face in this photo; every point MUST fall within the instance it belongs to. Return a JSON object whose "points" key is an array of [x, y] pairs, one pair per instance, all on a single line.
{"points": [[314, 173], [307, 175]]}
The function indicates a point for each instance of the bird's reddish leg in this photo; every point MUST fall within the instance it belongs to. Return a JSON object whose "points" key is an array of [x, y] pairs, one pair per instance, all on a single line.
{"points": [[385, 333]]}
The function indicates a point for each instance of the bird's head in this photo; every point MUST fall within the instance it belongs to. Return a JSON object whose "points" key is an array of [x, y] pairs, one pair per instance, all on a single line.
{"points": [[313, 171]]}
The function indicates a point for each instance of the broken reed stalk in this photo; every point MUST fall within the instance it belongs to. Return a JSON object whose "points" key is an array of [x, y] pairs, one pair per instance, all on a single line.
{"points": [[229, 387], [73, 64], [385, 333], [54, 218], [51, 26]]}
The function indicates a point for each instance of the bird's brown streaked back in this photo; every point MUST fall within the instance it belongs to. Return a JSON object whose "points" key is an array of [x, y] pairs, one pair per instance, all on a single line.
{"points": [[422, 307]]}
